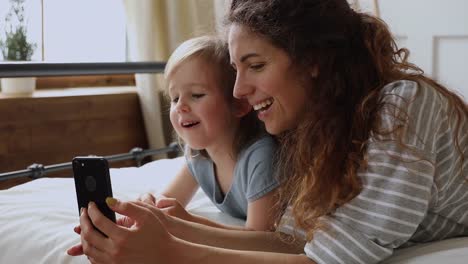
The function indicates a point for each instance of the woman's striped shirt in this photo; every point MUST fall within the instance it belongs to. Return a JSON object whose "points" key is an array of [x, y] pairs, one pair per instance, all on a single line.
{"points": [[409, 195]]}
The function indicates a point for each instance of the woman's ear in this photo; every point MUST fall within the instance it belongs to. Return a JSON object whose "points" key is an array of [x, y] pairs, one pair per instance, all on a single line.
{"points": [[241, 107]]}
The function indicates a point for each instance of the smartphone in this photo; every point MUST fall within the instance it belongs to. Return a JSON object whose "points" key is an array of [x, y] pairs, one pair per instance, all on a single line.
{"points": [[92, 183]]}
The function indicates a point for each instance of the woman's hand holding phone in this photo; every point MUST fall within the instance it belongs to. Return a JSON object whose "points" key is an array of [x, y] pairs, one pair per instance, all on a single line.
{"points": [[92, 183]]}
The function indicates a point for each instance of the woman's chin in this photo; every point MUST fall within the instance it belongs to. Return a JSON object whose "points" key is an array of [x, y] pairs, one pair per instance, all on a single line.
{"points": [[277, 128], [273, 129]]}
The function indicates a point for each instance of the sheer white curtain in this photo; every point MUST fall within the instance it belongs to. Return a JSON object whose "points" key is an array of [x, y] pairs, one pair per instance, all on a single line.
{"points": [[155, 28]]}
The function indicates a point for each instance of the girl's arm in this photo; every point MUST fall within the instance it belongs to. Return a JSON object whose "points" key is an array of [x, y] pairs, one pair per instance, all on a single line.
{"points": [[260, 216], [182, 188], [262, 213]]}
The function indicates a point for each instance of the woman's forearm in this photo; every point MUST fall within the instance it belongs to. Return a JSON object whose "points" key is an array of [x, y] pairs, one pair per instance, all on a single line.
{"points": [[195, 253], [208, 222], [234, 239]]}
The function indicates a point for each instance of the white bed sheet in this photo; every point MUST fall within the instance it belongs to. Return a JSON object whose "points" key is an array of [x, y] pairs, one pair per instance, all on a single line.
{"points": [[37, 218]]}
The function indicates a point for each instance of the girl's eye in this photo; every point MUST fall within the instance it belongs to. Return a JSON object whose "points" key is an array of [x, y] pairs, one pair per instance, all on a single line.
{"points": [[175, 100], [198, 95]]}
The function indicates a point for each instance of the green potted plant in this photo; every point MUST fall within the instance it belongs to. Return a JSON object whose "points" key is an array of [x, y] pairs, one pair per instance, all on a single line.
{"points": [[15, 47]]}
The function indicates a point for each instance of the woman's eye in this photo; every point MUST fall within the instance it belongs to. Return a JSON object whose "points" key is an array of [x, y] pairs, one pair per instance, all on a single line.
{"points": [[257, 66], [198, 95]]}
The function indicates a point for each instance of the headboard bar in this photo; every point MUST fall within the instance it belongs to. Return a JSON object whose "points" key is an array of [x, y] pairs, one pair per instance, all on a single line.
{"points": [[40, 69], [36, 171]]}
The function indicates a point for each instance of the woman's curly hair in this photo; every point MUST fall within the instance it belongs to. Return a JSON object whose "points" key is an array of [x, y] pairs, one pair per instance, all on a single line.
{"points": [[356, 57]]}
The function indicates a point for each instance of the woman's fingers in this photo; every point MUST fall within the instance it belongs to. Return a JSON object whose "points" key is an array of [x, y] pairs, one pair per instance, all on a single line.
{"points": [[76, 250], [134, 210], [125, 221], [155, 211], [101, 222], [166, 202], [95, 255], [120, 240], [85, 222], [77, 229], [148, 198], [92, 242], [122, 244]]}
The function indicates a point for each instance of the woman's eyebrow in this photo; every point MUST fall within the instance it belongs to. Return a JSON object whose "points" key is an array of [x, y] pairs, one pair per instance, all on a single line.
{"points": [[247, 56]]}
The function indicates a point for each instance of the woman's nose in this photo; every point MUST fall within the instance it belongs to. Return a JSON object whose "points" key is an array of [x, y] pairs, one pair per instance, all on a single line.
{"points": [[241, 88]]}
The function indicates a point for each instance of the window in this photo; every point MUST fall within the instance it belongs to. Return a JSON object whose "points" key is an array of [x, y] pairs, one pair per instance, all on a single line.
{"points": [[84, 31], [76, 31]]}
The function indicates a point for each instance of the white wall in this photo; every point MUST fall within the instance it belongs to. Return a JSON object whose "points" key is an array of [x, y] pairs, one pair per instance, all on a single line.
{"points": [[435, 32]]}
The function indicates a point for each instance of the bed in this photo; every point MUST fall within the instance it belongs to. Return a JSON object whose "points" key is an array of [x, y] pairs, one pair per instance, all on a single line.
{"points": [[37, 218]]}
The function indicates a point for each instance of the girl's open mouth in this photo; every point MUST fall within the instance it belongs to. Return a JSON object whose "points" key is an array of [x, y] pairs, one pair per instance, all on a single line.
{"points": [[189, 124]]}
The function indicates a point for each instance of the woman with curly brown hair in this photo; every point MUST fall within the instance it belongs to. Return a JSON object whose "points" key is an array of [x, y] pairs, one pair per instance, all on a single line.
{"points": [[373, 153]]}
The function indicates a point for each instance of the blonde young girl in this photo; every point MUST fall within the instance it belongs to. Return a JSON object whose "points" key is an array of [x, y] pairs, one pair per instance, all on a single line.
{"points": [[227, 153]]}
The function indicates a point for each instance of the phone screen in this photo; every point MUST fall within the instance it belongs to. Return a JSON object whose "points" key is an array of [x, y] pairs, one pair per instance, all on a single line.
{"points": [[92, 183]]}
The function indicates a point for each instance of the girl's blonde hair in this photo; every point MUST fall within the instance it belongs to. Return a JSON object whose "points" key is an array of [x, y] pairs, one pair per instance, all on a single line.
{"points": [[213, 50]]}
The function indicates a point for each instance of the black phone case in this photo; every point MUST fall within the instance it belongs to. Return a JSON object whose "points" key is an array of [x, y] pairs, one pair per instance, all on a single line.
{"points": [[92, 183]]}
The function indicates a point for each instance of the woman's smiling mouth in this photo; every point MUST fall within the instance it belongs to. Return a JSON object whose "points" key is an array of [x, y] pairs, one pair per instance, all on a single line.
{"points": [[264, 105]]}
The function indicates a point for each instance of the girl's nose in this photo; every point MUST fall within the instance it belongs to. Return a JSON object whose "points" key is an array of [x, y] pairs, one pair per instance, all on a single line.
{"points": [[241, 88], [182, 107]]}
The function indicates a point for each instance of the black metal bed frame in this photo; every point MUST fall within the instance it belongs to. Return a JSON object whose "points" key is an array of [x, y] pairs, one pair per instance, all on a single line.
{"points": [[36, 171], [42, 69]]}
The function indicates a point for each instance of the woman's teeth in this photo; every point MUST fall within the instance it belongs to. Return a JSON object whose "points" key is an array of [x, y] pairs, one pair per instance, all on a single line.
{"points": [[263, 105]]}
